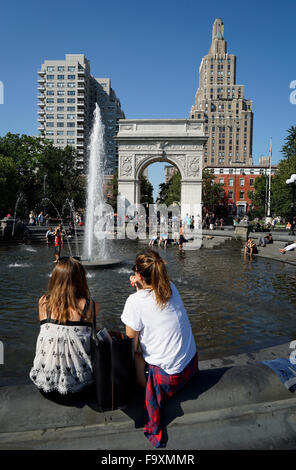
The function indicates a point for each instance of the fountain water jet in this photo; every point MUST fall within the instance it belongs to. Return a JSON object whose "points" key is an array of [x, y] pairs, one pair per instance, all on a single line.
{"points": [[95, 252]]}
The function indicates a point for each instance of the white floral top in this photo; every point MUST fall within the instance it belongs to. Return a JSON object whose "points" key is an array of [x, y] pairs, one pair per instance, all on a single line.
{"points": [[62, 361]]}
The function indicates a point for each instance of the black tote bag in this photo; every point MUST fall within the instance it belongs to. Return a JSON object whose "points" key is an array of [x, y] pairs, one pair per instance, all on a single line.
{"points": [[113, 368]]}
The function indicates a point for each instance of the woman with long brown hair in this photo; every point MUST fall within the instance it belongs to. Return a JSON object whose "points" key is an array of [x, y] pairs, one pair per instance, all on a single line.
{"points": [[62, 361], [156, 318]]}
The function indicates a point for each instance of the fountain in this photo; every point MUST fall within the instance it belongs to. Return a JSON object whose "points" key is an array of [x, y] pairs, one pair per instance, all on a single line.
{"points": [[95, 250]]}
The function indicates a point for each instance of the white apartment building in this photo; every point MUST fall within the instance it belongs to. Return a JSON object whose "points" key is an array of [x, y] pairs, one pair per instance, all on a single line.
{"points": [[67, 93]]}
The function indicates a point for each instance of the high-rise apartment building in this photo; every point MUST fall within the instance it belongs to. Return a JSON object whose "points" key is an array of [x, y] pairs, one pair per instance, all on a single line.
{"points": [[67, 94], [220, 102]]}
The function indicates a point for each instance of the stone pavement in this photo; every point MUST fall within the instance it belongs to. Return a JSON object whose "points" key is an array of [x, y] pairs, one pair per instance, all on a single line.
{"points": [[234, 403]]}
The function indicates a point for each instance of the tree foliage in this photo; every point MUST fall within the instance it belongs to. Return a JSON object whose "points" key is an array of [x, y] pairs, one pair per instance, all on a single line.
{"points": [[26, 163], [170, 192], [259, 196], [281, 193], [146, 191], [212, 193]]}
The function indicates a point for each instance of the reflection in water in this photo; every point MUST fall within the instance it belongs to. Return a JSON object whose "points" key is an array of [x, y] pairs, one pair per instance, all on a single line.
{"points": [[234, 305]]}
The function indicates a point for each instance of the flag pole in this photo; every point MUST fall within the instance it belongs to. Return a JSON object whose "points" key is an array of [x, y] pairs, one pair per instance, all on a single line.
{"points": [[269, 181]]}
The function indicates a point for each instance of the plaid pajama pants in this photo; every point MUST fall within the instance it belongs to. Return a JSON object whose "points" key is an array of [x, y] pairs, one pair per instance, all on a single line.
{"points": [[161, 386]]}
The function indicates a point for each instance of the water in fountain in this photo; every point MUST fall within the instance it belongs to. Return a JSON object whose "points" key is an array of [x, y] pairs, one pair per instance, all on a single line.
{"points": [[47, 201], [70, 203], [95, 249], [20, 198]]}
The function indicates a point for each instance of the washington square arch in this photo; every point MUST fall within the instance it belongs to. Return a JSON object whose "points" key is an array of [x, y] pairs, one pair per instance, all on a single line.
{"points": [[175, 141]]}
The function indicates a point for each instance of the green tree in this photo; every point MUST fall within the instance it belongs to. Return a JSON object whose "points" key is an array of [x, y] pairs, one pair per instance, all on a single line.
{"points": [[63, 179], [170, 192], [113, 185], [25, 151], [212, 193], [8, 174], [146, 191], [281, 193], [258, 196], [33, 159]]}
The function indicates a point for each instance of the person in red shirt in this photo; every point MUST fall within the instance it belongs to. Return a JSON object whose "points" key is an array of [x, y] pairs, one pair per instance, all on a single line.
{"points": [[58, 241]]}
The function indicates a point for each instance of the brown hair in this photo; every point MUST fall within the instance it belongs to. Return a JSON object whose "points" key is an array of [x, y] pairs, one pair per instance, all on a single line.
{"points": [[67, 285], [153, 270]]}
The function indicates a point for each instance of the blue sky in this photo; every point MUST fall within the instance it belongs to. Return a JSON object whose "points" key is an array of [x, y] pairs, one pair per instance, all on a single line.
{"points": [[151, 50]]}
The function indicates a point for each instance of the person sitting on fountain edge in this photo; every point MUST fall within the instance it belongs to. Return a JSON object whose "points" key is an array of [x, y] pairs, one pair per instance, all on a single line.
{"points": [[62, 362], [156, 318], [250, 247]]}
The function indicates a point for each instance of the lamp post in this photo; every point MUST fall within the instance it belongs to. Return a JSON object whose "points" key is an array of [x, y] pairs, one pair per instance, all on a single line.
{"points": [[292, 182], [44, 193]]}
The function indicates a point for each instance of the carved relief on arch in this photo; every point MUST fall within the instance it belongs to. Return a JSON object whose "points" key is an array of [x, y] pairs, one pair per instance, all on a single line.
{"points": [[193, 166], [126, 165]]}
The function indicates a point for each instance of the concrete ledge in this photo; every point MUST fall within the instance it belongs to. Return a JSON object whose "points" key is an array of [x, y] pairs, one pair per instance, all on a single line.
{"points": [[230, 407]]}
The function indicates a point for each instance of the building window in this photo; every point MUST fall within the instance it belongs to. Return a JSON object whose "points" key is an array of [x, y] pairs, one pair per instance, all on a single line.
{"points": [[60, 124], [61, 68], [50, 93], [60, 100], [49, 116], [70, 124], [50, 68], [71, 93], [50, 77], [230, 194], [70, 141], [60, 108], [71, 100], [241, 194], [49, 100], [61, 77], [221, 180], [71, 77], [70, 132], [242, 182], [60, 85], [50, 124], [60, 93], [49, 108], [230, 182], [251, 181], [71, 84], [60, 132]]}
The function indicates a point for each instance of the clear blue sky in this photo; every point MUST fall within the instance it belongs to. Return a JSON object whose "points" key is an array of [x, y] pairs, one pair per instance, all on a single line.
{"points": [[151, 50]]}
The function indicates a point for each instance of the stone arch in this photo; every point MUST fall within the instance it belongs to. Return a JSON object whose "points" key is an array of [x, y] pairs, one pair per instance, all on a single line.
{"points": [[176, 141]]}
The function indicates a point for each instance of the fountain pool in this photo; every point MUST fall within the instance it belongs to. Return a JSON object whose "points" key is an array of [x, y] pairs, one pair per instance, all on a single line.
{"points": [[234, 305]]}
